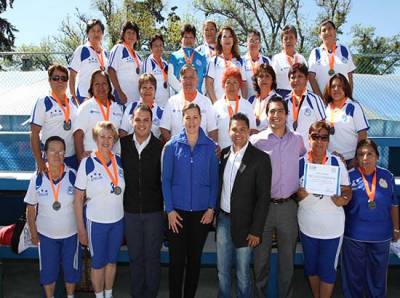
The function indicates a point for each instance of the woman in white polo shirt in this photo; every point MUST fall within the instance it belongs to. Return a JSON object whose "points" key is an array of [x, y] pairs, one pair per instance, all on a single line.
{"points": [[100, 177], [50, 215]]}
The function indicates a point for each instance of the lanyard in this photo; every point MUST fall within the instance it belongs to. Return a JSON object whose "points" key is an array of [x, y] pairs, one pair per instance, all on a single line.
{"points": [[190, 96], [296, 107], [188, 60], [100, 57], [66, 109], [134, 56], [113, 178], [333, 109], [105, 113], [228, 104], [331, 59], [162, 67], [261, 104], [210, 49], [55, 191], [370, 191], [310, 159], [290, 59], [253, 64]]}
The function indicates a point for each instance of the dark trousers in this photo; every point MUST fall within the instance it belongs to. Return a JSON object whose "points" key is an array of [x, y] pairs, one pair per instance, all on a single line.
{"points": [[144, 235], [185, 249]]}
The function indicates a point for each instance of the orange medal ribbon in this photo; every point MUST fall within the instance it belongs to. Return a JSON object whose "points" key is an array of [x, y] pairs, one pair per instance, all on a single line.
{"points": [[105, 113], [65, 110], [290, 59], [333, 109], [370, 191], [188, 60], [296, 107], [100, 57], [113, 177], [55, 191], [162, 67], [253, 64], [310, 159], [190, 96], [228, 104], [331, 59], [133, 55]]}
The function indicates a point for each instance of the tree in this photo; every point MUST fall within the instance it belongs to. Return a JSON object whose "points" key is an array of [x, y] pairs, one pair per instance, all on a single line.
{"points": [[380, 55], [38, 57], [7, 30]]}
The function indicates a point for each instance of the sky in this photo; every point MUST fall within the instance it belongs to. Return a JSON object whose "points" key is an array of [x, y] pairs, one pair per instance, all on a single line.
{"points": [[36, 20]]}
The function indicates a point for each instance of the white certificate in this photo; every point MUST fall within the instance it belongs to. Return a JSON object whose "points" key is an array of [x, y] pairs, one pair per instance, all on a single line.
{"points": [[321, 179]]}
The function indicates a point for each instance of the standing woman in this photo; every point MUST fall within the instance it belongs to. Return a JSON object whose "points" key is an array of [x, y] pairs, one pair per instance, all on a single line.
{"points": [[190, 185], [125, 65], [100, 177], [50, 216], [86, 59], [284, 60], [321, 218], [372, 221], [209, 39], [328, 59], [158, 67], [264, 84], [100, 107], [346, 117], [227, 55], [54, 115]]}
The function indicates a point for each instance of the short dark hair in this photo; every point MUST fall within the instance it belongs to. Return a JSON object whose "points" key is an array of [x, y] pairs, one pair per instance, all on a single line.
{"points": [[53, 139], [104, 74], [144, 108], [240, 117], [128, 25], [277, 98], [154, 38], [288, 29], [263, 68], [58, 67], [188, 28], [185, 68], [365, 143], [93, 22], [298, 67], [326, 21], [254, 32], [189, 106], [318, 125], [147, 77], [206, 22], [346, 87]]}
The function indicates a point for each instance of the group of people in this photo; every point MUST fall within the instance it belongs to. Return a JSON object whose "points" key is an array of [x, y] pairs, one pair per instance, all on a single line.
{"points": [[210, 137]]}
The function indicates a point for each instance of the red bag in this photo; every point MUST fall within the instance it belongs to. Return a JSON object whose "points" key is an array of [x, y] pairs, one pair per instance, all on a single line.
{"points": [[6, 234]]}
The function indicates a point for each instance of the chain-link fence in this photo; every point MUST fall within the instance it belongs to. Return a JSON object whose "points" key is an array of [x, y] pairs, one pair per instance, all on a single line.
{"points": [[23, 79]]}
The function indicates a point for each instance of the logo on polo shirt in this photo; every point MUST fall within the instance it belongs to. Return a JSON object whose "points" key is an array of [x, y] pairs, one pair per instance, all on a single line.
{"points": [[56, 113], [42, 192], [70, 190], [307, 112], [345, 118], [96, 176], [156, 121], [94, 112], [383, 183], [198, 62]]}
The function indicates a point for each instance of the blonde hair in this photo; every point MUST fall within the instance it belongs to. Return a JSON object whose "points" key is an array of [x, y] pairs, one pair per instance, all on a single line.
{"points": [[105, 125]]}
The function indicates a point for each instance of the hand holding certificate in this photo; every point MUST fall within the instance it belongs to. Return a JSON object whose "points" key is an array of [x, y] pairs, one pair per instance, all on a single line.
{"points": [[322, 179]]}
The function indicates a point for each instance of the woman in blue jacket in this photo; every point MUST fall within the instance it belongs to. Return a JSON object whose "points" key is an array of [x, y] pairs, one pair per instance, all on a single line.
{"points": [[189, 183]]}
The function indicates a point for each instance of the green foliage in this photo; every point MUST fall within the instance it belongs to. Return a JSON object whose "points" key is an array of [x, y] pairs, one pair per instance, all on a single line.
{"points": [[7, 30]]}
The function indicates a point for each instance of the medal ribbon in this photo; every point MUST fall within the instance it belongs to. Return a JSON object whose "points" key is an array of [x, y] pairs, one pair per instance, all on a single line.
{"points": [[188, 60], [253, 64], [230, 110], [100, 57], [105, 113], [296, 107], [310, 159], [370, 191], [331, 57], [133, 54], [55, 191], [228, 61], [162, 67], [65, 109], [334, 108], [190, 96], [290, 59], [211, 50], [113, 178]]}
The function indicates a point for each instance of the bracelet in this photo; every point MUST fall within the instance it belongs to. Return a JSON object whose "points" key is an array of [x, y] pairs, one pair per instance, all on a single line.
{"points": [[396, 230]]}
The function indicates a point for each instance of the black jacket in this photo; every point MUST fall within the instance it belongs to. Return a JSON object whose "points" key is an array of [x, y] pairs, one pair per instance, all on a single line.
{"points": [[143, 193], [251, 194]]}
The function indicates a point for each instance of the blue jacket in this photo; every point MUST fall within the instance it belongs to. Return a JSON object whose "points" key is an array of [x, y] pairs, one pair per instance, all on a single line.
{"points": [[189, 178]]}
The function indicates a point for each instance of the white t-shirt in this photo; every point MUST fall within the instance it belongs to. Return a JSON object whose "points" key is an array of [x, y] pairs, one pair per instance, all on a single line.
{"points": [[125, 67], [49, 116], [85, 62], [319, 64], [88, 115], [347, 122], [312, 110], [150, 66], [260, 108], [207, 50], [103, 205], [281, 67], [172, 118], [216, 69], [49, 222], [318, 216], [249, 70], [222, 118], [126, 123]]}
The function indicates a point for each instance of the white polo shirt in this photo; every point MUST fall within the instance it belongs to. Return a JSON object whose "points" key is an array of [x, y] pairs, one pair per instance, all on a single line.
{"points": [[222, 116], [172, 118], [87, 117], [216, 69], [318, 216], [260, 108], [103, 205], [49, 222], [347, 122], [281, 67], [150, 66], [319, 64], [126, 123], [312, 110], [249, 71], [206, 50], [49, 116], [84, 62], [125, 68]]}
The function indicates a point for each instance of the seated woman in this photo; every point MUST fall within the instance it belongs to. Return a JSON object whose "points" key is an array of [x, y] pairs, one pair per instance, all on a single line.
{"points": [[321, 217], [51, 220]]}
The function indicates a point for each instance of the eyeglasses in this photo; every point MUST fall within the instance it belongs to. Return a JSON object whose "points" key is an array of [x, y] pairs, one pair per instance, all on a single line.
{"points": [[59, 78], [323, 138], [54, 153]]}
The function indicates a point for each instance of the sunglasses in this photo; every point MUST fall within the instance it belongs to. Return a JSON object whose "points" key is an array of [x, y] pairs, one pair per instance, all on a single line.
{"points": [[59, 78], [323, 138]]}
